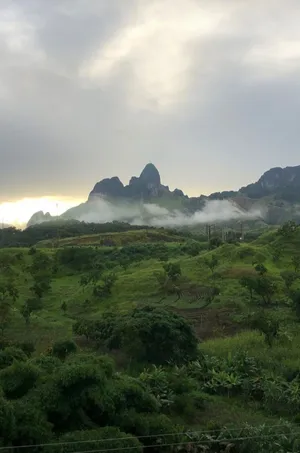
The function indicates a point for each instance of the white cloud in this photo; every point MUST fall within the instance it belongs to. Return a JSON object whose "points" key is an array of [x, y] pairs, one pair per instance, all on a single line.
{"points": [[155, 43], [19, 34], [274, 58]]}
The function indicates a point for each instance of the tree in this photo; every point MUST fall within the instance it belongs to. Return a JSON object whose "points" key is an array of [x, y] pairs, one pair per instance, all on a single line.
{"points": [[277, 251], [8, 295], [7, 421], [73, 393], [265, 287], [141, 332], [172, 270], [9, 355], [287, 229], [61, 349], [104, 288], [40, 261], [211, 263], [267, 325], [17, 379], [214, 243], [296, 262], [170, 280], [262, 285], [289, 277], [261, 269], [296, 303], [29, 307], [42, 284], [192, 248], [249, 282]]}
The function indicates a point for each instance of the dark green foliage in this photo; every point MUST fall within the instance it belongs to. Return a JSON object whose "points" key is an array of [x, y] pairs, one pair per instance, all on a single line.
{"points": [[64, 307], [287, 229], [192, 248], [31, 424], [261, 285], [17, 379], [103, 362], [9, 354], [12, 237], [40, 262], [260, 269], [174, 390], [7, 421], [211, 263], [46, 363], [268, 325], [126, 392], [61, 349], [70, 393], [28, 347], [141, 333], [296, 303], [277, 252], [42, 284], [155, 429], [108, 438], [289, 277], [104, 288], [296, 262], [31, 305], [214, 243]]}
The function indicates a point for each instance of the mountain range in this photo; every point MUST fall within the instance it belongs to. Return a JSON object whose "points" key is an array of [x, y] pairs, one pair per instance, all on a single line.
{"points": [[273, 199]]}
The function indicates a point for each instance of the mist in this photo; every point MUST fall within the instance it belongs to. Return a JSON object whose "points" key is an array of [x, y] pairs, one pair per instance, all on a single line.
{"points": [[214, 211]]}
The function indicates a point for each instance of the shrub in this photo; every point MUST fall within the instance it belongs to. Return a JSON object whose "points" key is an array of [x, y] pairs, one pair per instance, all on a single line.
{"points": [[62, 349]]}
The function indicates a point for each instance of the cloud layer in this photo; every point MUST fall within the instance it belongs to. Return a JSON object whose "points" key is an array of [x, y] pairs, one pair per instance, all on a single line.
{"points": [[207, 91], [100, 211]]}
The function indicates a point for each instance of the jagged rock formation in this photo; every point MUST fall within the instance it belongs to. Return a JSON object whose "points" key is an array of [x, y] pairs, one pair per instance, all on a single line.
{"points": [[147, 185], [283, 183], [277, 193], [39, 217]]}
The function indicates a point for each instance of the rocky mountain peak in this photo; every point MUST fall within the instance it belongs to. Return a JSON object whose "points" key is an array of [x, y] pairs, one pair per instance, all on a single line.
{"points": [[147, 184], [150, 175]]}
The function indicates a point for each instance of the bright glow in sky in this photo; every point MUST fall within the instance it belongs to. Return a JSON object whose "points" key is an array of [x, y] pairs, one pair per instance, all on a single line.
{"points": [[19, 212]]}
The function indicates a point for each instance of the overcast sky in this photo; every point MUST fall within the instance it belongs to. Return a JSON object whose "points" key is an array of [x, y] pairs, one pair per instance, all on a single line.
{"points": [[207, 90]]}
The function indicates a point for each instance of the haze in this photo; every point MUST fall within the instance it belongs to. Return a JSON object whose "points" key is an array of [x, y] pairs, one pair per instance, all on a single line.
{"points": [[207, 91]]}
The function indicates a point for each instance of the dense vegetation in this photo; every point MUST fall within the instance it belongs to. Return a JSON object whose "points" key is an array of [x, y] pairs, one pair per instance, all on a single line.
{"points": [[161, 342]]}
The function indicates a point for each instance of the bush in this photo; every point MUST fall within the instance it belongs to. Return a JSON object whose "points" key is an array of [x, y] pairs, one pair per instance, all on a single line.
{"points": [[101, 439], [17, 379], [62, 349], [9, 355]]}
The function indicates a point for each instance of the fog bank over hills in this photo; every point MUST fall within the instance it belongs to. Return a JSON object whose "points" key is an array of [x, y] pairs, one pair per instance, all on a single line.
{"points": [[274, 198]]}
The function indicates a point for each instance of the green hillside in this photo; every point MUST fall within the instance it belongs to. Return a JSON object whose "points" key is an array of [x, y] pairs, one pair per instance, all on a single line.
{"points": [[130, 297]]}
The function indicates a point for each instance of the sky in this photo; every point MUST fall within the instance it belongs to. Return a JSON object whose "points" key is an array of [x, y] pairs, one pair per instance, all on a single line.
{"points": [[208, 91]]}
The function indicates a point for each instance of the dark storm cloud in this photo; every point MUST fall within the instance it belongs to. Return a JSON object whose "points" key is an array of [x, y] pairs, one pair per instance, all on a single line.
{"points": [[95, 88]]}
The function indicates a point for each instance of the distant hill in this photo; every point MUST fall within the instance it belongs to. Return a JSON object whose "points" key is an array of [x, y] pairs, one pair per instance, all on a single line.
{"points": [[276, 195]]}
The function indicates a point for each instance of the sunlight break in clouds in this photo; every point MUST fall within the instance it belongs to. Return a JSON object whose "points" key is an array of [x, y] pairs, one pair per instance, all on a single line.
{"points": [[19, 212], [157, 44]]}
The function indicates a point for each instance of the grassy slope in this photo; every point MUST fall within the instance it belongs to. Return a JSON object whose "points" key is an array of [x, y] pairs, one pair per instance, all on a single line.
{"points": [[137, 284], [118, 239]]}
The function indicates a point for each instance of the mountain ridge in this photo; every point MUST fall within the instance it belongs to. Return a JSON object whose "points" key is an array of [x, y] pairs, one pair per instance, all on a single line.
{"points": [[277, 192]]}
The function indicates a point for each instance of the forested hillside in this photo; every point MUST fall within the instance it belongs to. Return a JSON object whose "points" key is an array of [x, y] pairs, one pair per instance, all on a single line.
{"points": [[116, 338]]}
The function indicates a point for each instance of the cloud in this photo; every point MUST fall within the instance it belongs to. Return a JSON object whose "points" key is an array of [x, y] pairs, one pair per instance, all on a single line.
{"points": [[100, 211], [207, 91]]}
